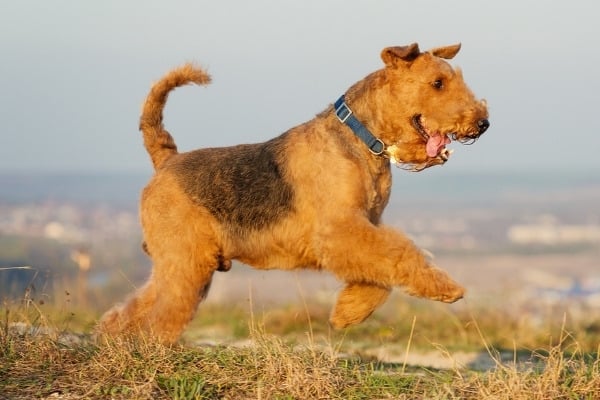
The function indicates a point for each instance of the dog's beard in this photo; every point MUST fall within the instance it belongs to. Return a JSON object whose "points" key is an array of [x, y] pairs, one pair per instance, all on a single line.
{"points": [[442, 156]]}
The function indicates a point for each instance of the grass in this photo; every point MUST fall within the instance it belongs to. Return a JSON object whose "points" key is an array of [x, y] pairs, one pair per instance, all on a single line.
{"points": [[291, 354]]}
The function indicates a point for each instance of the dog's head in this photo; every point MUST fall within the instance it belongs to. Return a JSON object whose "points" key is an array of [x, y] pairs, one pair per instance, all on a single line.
{"points": [[420, 103]]}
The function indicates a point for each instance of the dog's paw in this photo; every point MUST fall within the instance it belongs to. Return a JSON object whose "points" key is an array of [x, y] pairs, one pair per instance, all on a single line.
{"points": [[356, 302], [445, 289], [451, 294], [435, 284]]}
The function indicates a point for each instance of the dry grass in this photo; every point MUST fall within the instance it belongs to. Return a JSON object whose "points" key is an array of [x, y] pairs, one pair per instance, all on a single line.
{"points": [[558, 375], [39, 359]]}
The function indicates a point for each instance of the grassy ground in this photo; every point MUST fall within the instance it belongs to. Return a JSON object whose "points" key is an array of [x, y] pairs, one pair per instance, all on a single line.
{"points": [[291, 354]]}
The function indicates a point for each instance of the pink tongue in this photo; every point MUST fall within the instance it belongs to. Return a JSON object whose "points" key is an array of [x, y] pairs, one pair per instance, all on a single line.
{"points": [[436, 143]]}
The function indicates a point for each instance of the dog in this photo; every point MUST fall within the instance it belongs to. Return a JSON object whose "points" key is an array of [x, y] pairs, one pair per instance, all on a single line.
{"points": [[310, 198]]}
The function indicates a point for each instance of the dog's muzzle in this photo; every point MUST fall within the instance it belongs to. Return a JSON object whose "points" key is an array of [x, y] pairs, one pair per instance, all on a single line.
{"points": [[470, 138]]}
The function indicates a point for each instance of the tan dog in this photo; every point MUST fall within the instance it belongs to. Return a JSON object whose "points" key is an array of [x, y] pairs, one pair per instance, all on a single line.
{"points": [[310, 198]]}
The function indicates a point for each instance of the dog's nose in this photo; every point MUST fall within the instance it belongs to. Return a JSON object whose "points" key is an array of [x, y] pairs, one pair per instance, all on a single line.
{"points": [[482, 125]]}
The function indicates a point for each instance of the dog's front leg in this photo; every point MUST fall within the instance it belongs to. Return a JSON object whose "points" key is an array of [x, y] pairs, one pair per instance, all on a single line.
{"points": [[356, 302], [375, 258]]}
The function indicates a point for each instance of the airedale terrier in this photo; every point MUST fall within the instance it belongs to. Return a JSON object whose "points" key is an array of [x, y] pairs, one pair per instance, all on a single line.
{"points": [[309, 198]]}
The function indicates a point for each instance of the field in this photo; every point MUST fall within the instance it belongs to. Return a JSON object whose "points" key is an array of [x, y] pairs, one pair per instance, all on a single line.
{"points": [[264, 335], [529, 327]]}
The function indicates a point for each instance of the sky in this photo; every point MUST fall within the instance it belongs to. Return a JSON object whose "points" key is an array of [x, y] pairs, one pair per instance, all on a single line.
{"points": [[73, 74]]}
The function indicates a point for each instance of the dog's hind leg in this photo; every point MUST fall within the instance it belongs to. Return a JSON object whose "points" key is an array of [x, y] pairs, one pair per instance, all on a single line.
{"points": [[181, 240], [165, 304], [177, 300]]}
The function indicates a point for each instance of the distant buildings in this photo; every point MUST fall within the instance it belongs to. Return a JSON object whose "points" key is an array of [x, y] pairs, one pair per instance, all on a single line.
{"points": [[67, 222], [549, 231]]}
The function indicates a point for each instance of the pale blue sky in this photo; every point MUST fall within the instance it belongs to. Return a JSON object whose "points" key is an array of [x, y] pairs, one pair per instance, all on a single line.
{"points": [[73, 74]]}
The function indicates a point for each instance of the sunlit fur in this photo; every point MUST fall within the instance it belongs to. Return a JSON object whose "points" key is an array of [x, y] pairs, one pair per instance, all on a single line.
{"points": [[309, 198]]}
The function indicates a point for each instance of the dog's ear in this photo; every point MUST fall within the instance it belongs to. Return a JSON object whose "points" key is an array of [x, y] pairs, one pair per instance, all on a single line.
{"points": [[391, 56], [446, 52]]}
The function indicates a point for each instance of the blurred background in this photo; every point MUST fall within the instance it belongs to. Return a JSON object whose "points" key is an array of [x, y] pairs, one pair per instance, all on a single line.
{"points": [[515, 217]]}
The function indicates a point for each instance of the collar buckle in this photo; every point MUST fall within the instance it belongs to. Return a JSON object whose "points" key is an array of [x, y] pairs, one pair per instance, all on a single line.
{"points": [[378, 147], [343, 112]]}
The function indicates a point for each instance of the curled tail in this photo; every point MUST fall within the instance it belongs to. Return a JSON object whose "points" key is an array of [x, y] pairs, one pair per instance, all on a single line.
{"points": [[158, 142]]}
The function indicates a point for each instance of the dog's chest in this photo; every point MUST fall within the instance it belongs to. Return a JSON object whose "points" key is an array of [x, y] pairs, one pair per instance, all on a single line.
{"points": [[379, 194]]}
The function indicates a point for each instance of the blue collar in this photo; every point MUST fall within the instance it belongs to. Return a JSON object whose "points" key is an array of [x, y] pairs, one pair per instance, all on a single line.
{"points": [[346, 116]]}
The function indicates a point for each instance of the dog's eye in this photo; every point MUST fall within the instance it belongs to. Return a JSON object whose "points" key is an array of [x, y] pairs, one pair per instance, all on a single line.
{"points": [[438, 84]]}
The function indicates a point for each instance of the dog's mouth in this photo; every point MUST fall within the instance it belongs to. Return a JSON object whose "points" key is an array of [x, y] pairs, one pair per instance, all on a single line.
{"points": [[435, 142]]}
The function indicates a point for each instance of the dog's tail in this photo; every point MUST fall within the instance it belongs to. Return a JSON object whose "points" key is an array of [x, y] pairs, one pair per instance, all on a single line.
{"points": [[158, 142]]}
